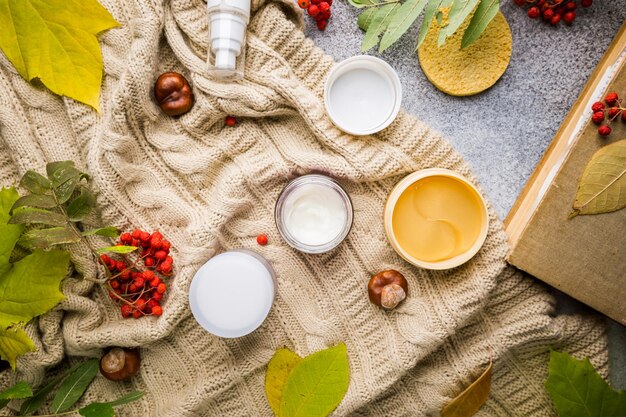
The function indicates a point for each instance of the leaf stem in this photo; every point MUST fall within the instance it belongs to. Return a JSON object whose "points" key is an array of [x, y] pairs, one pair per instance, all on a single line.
{"points": [[382, 3]]}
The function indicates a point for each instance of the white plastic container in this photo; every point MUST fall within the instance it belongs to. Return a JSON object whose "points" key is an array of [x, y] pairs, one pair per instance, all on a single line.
{"points": [[228, 20], [362, 95], [232, 294]]}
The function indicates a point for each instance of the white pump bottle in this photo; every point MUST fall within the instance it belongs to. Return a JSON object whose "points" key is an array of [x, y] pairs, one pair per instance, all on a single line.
{"points": [[228, 20]]}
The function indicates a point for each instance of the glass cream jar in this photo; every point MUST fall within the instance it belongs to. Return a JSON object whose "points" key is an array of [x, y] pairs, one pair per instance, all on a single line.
{"points": [[314, 214]]}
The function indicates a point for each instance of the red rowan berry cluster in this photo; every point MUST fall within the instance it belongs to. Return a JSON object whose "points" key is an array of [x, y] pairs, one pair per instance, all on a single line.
{"points": [[137, 282], [318, 10], [609, 110], [553, 11]]}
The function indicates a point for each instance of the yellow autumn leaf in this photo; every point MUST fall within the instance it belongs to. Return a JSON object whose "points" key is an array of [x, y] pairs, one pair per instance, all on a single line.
{"points": [[278, 369], [55, 42], [468, 402], [14, 342]]}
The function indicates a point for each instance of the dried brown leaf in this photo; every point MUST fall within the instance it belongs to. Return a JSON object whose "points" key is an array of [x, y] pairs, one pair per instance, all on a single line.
{"points": [[468, 402]]}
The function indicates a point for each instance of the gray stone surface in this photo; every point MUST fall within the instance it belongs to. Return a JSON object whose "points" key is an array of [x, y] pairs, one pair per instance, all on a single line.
{"points": [[504, 131]]}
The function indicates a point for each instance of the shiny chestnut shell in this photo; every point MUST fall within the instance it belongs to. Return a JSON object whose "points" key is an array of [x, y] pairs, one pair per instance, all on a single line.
{"points": [[173, 94], [120, 364], [382, 279]]}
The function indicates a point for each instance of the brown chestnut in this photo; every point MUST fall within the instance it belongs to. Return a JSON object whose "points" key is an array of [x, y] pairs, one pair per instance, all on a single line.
{"points": [[120, 364], [387, 289], [173, 93]]}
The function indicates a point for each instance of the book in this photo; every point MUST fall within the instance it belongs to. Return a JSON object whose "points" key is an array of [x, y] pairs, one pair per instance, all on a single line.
{"points": [[585, 256]]}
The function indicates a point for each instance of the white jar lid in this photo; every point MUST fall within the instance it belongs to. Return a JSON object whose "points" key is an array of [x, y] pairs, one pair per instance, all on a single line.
{"points": [[362, 95], [232, 294]]}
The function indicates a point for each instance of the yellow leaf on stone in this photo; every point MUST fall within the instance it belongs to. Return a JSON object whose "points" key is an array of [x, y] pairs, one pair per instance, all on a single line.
{"points": [[14, 342], [55, 41], [468, 402], [278, 370]]}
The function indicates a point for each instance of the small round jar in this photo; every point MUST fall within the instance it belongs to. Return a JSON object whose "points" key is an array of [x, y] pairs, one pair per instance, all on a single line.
{"points": [[313, 214], [232, 294]]}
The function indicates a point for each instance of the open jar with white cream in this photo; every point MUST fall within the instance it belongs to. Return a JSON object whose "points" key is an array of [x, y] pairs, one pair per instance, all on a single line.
{"points": [[314, 214]]}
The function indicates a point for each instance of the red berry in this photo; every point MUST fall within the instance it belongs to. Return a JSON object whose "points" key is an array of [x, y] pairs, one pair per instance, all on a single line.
{"points": [[136, 234], [155, 242], [132, 288], [598, 117], [157, 296], [304, 4], [120, 265], [105, 259], [330, 2], [533, 12], [324, 7], [135, 242], [137, 314], [115, 283], [165, 245], [230, 121], [313, 10], [548, 14], [145, 236], [157, 310], [614, 111], [321, 24], [126, 238], [624, 116], [261, 239], [125, 275], [570, 5], [569, 17], [160, 255], [166, 268], [555, 20], [139, 282], [597, 106], [611, 99], [169, 260], [604, 130], [155, 282], [586, 3], [152, 303], [156, 234], [127, 310], [149, 261], [161, 288], [147, 275], [520, 2], [324, 15], [315, 1]]}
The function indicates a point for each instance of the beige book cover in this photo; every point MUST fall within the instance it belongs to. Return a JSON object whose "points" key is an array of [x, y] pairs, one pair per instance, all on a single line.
{"points": [[585, 256]]}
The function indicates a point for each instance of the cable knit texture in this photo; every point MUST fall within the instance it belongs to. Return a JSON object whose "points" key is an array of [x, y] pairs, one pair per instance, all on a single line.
{"points": [[210, 188]]}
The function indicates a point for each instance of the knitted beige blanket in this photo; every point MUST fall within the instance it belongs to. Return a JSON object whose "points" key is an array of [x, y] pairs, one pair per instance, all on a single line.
{"points": [[210, 188]]}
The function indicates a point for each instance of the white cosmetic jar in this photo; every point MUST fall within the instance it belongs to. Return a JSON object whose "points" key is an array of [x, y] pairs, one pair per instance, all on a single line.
{"points": [[313, 214], [232, 294], [362, 95]]}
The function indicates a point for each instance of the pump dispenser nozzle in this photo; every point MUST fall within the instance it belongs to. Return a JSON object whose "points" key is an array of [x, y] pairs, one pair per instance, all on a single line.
{"points": [[228, 20]]}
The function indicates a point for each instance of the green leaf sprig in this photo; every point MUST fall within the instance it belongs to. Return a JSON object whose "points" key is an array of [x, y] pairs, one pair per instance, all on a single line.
{"points": [[73, 384], [309, 387], [385, 21], [577, 390]]}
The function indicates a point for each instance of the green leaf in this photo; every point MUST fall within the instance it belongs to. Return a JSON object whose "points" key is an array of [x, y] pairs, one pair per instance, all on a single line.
{"points": [[27, 215], [317, 385], [74, 386], [431, 10], [365, 18], [97, 410], [402, 20], [17, 391], [46, 238], [602, 187], [460, 10], [36, 401], [41, 273], [54, 41], [106, 409], [14, 342], [468, 402], [484, 14], [65, 191], [109, 231], [577, 390], [82, 205], [35, 200], [117, 249], [35, 183], [57, 169], [380, 22], [9, 233], [278, 370]]}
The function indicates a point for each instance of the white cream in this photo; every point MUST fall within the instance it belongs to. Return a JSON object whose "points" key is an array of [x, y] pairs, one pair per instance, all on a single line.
{"points": [[232, 294], [314, 214]]}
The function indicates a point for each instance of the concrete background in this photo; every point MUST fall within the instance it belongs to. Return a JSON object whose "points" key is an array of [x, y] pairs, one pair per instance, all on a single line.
{"points": [[504, 131]]}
